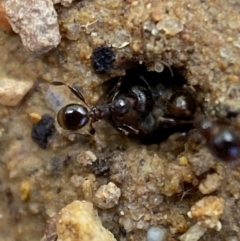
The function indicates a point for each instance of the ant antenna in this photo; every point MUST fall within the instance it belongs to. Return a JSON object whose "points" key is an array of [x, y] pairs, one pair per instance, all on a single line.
{"points": [[73, 89], [145, 81], [169, 67]]}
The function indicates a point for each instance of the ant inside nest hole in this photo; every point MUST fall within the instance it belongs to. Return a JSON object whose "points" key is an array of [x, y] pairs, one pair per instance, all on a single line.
{"points": [[150, 106]]}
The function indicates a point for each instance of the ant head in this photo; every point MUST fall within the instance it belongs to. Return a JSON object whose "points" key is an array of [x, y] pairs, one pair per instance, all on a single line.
{"points": [[182, 104], [121, 106], [222, 140], [73, 117]]}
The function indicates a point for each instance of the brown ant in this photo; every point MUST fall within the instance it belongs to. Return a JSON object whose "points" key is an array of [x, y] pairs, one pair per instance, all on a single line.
{"points": [[150, 106]]}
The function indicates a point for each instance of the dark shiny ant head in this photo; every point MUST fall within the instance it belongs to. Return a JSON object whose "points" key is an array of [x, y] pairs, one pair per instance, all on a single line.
{"points": [[73, 117], [222, 139], [121, 106], [182, 104]]}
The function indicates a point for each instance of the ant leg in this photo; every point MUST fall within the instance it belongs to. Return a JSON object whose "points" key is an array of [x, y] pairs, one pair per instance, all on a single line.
{"points": [[131, 129], [92, 130], [124, 128], [143, 99]]}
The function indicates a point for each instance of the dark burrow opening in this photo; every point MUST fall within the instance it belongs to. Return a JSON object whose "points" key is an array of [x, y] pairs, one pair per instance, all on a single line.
{"points": [[167, 103]]}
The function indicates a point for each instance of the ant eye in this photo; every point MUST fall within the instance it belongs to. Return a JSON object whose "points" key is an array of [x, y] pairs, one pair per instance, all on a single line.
{"points": [[181, 104], [73, 117]]}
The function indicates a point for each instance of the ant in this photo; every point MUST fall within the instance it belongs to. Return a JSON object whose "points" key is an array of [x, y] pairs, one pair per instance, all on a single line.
{"points": [[147, 105]]}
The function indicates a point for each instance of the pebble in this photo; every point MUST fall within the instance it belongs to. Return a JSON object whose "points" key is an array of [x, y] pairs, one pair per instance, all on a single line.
{"points": [[34, 117], [25, 190], [194, 233], [57, 97], [107, 196], [34, 208], [36, 22], [87, 189], [103, 59], [201, 161], [43, 131], [12, 91], [156, 234], [210, 184], [86, 158], [79, 221], [207, 211], [65, 3], [4, 24], [171, 26]]}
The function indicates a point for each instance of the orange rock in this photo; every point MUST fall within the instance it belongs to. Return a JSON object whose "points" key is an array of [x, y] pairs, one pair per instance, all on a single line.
{"points": [[4, 24], [157, 12]]}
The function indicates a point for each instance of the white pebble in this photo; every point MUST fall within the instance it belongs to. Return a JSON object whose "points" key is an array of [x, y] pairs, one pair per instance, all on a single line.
{"points": [[156, 234], [172, 26], [107, 196], [194, 233]]}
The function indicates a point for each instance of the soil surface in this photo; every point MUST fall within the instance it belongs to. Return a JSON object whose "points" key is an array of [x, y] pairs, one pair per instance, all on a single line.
{"points": [[175, 184]]}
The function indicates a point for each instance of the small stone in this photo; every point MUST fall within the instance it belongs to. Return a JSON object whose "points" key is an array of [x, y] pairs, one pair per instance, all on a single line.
{"points": [[102, 59], [156, 234], [236, 42], [87, 188], [210, 184], [4, 24], [36, 22], [225, 52], [34, 208], [86, 158], [107, 196], [233, 78], [50, 232], [137, 45], [101, 166], [208, 211], [12, 91], [157, 12], [65, 3], [77, 180], [72, 30], [24, 190], [43, 130], [85, 52], [183, 161], [158, 67], [120, 38], [201, 161], [34, 117], [79, 221], [172, 26], [57, 97], [194, 233]]}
